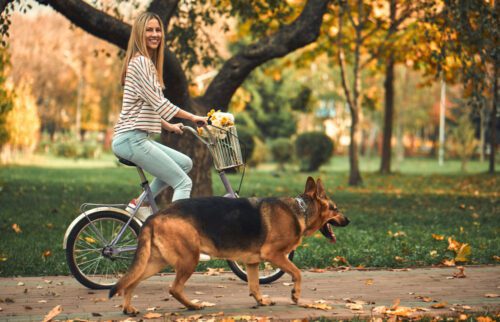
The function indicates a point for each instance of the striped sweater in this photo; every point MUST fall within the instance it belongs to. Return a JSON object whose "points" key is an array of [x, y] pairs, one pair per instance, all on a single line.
{"points": [[143, 101]]}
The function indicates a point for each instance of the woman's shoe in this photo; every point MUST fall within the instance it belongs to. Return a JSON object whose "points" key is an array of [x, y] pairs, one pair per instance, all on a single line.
{"points": [[142, 213]]}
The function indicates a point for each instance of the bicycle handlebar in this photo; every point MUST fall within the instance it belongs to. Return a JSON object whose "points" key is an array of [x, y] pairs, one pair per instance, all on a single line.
{"points": [[195, 133]]}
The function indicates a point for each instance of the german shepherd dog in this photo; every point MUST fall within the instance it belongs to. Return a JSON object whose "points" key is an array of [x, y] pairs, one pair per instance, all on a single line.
{"points": [[247, 230]]}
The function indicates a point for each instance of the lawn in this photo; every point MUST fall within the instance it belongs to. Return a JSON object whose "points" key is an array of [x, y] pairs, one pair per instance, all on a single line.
{"points": [[392, 217]]}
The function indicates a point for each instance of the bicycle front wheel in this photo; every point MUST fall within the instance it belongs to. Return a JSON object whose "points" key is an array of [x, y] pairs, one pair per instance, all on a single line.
{"points": [[267, 272], [91, 258]]}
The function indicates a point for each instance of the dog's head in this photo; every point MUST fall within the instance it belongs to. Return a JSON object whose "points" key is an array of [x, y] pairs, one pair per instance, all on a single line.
{"points": [[326, 214]]}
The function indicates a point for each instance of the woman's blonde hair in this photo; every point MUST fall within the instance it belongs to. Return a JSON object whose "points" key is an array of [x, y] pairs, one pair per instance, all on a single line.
{"points": [[137, 45]]}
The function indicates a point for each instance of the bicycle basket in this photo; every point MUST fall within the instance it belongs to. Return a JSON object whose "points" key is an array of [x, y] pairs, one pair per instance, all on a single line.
{"points": [[225, 148]]}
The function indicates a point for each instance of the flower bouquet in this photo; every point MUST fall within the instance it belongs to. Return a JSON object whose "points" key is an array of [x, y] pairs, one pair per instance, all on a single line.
{"points": [[220, 121]]}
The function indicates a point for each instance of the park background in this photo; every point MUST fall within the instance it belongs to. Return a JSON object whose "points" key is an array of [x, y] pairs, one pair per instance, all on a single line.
{"points": [[391, 103]]}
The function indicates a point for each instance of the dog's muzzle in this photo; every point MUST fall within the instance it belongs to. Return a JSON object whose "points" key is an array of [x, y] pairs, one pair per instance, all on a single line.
{"points": [[327, 229]]}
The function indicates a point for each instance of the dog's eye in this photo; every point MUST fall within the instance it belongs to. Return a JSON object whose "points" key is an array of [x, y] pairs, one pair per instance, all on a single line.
{"points": [[333, 208]]}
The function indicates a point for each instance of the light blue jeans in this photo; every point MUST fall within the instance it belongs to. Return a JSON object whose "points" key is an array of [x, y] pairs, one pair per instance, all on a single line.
{"points": [[168, 166]]}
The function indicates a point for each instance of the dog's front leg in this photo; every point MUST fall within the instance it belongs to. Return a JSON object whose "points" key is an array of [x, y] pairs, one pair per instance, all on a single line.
{"points": [[287, 266], [253, 285]]}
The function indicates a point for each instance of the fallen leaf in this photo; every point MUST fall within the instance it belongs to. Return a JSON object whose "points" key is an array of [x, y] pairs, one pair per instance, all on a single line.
{"points": [[46, 253], [460, 273], [433, 253], [198, 293], [453, 244], [152, 315], [27, 307], [320, 301], [207, 304], [497, 258], [424, 309], [288, 284], [424, 298], [379, 309], [448, 262], [354, 306], [463, 253], [463, 317], [53, 313], [9, 300], [324, 307], [398, 259], [491, 295], [221, 286], [440, 305], [317, 270], [340, 260], [395, 304], [437, 237], [20, 284], [401, 311], [149, 309], [42, 301], [101, 299], [369, 281], [213, 271], [484, 319], [96, 314], [16, 228]]}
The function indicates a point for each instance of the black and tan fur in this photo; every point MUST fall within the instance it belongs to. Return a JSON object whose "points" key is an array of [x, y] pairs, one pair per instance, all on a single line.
{"points": [[247, 230]]}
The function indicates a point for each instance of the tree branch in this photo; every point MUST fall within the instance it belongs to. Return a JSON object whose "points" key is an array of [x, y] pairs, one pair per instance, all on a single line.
{"points": [[92, 20], [342, 64], [165, 9], [304, 30]]}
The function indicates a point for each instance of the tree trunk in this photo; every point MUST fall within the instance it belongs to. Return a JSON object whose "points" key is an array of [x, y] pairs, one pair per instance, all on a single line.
{"points": [[354, 174], [493, 123], [385, 164]]}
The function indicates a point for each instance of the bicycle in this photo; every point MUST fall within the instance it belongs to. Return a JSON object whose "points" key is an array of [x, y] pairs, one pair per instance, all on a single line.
{"points": [[100, 243]]}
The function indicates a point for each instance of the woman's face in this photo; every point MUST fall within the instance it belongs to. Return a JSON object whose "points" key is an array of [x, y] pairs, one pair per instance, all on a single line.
{"points": [[153, 35]]}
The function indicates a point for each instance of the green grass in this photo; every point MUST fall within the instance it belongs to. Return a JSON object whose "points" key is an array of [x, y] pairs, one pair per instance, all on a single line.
{"points": [[44, 199]]}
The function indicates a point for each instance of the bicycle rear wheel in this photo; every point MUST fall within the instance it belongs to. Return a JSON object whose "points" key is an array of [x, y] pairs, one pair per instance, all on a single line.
{"points": [[267, 272], [91, 259]]}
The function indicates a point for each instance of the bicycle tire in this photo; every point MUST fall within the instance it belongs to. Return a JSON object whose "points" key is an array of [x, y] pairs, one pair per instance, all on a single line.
{"points": [[107, 269], [263, 279]]}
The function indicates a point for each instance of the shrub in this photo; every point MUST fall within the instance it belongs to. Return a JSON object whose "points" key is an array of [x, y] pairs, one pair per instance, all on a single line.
{"points": [[282, 151], [313, 149], [67, 145]]}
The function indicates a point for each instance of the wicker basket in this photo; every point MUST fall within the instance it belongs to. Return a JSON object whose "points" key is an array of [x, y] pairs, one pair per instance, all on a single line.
{"points": [[225, 150]]}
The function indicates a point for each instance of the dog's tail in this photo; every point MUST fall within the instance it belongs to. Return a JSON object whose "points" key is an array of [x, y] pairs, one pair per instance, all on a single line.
{"points": [[138, 265]]}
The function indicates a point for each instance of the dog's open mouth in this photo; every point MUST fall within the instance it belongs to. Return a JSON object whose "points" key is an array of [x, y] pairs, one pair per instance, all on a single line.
{"points": [[327, 231]]}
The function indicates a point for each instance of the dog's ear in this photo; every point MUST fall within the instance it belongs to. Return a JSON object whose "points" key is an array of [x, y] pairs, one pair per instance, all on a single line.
{"points": [[310, 187], [320, 189]]}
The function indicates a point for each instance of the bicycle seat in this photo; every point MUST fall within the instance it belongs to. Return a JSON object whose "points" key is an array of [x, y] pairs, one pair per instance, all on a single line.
{"points": [[126, 162]]}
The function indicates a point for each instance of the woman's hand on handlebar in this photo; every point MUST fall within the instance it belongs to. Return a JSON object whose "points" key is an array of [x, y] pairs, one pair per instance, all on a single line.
{"points": [[200, 121], [173, 128]]}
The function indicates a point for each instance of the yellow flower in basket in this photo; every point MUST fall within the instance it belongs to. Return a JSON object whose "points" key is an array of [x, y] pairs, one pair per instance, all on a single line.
{"points": [[220, 121]]}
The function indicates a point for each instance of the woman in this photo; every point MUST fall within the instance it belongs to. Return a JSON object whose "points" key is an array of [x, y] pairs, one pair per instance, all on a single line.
{"points": [[146, 111]]}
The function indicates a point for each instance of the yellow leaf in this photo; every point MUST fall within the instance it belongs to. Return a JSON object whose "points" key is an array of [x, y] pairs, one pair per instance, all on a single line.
{"points": [[317, 270], [324, 307], [152, 315], [399, 259], [448, 262], [463, 253], [484, 319], [491, 295], [497, 258], [369, 281], [440, 305], [90, 240], [437, 237], [16, 228], [53, 313], [46, 253], [453, 244], [460, 273]]}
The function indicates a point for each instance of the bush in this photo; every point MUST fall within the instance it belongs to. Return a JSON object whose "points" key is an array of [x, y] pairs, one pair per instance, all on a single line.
{"points": [[282, 151], [313, 149]]}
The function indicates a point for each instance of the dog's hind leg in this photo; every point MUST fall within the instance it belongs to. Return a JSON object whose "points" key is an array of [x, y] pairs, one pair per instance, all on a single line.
{"points": [[152, 268], [253, 284], [282, 262], [183, 271]]}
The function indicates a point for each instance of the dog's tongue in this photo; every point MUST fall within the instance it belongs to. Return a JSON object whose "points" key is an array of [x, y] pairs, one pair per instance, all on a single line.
{"points": [[327, 231]]}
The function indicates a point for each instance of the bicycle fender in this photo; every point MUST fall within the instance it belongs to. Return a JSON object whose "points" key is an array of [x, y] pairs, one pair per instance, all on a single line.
{"points": [[91, 211]]}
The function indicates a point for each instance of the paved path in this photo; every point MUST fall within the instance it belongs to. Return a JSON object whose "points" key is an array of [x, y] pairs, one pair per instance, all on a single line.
{"points": [[31, 298]]}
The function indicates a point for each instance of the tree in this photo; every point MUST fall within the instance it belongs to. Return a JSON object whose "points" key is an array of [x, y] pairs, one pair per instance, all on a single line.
{"points": [[469, 46], [6, 98], [302, 30]]}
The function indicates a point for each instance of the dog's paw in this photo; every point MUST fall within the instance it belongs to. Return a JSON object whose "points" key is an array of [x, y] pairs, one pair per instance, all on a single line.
{"points": [[194, 307], [131, 311], [266, 302], [295, 296]]}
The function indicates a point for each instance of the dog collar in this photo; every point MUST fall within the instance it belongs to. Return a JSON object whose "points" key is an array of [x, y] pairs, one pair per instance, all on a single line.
{"points": [[301, 203]]}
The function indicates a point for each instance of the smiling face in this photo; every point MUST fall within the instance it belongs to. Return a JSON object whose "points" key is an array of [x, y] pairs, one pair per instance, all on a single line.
{"points": [[153, 35]]}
